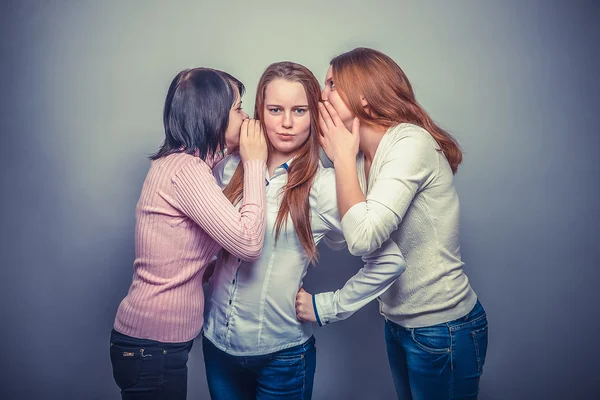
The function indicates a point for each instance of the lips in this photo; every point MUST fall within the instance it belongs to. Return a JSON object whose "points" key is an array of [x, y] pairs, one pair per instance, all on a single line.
{"points": [[285, 136]]}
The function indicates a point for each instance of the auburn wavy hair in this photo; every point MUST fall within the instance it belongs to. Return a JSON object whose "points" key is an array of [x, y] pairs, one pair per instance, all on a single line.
{"points": [[301, 173], [389, 94]]}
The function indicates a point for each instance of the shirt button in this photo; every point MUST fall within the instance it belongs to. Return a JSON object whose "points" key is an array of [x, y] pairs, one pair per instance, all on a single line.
{"points": [[229, 301], [233, 281], [326, 322], [239, 260]]}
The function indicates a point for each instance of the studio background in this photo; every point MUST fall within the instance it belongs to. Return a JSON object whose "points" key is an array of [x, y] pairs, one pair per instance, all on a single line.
{"points": [[81, 96]]}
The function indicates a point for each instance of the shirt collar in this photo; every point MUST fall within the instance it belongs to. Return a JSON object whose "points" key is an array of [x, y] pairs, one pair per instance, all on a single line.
{"points": [[286, 165]]}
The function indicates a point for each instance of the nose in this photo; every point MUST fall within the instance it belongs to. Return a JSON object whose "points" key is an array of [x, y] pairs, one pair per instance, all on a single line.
{"points": [[246, 116], [324, 93], [287, 120]]}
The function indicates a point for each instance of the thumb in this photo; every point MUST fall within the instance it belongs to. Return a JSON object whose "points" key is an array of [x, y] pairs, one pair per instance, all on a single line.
{"points": [[355, 126], [301, 290]]}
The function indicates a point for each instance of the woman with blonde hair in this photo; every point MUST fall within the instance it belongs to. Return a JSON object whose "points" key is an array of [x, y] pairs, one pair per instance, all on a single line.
{"points": [[254, 345]]}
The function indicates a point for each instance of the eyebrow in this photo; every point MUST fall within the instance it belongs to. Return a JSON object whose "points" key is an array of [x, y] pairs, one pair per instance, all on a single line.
{"points": [[277, 105]]}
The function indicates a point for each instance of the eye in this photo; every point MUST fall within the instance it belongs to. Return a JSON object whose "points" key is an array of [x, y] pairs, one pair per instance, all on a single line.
{"points": [[331, 84], [301, 111], [274, 110]]}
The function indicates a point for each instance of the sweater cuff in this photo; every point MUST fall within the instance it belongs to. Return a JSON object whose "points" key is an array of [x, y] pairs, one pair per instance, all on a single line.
{"points": [[255, 167]]}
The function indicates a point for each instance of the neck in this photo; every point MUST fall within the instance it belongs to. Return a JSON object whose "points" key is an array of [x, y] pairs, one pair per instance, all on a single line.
{"points": [[277, 158], [370, 137]]}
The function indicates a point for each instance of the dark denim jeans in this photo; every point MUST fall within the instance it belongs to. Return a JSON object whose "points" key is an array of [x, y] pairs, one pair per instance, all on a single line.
{"points": [[147, 369], [286, 374], [439, 362]]}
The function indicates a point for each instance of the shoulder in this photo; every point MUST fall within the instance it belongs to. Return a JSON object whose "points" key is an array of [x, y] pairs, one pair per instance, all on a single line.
{"points": [[409, 141], [324, 187], [185, 166], [325, 177], [411, 133]]}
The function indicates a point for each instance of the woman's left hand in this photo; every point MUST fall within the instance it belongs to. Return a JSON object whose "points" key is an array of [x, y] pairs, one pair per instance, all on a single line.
{"points": [[304, 306], [336, 140]]}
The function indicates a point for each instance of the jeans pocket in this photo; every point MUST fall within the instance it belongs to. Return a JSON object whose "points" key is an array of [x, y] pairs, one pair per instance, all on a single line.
{"points": [[176, 355], [287, 359], [480, 341], [126, 362], [433, 339]]}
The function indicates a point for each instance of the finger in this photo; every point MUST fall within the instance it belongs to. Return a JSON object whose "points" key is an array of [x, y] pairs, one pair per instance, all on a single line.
{"points": [[248, 128], [252, 129], [326, 116], [256, 129], [243, 132], [321, 141], [334, 115], [301, 290], [322, 124], [261, 132]]}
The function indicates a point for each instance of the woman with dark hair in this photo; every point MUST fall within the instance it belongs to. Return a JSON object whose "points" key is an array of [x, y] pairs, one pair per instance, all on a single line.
{"points": [[394, 171], [254, 346], [182, 220]]}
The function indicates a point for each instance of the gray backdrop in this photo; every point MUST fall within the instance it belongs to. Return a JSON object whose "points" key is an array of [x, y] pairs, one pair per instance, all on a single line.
{"points": [[82, 88]]}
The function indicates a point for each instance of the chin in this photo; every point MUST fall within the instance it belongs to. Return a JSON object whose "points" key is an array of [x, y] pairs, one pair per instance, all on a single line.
{"points": [[286, 149]]}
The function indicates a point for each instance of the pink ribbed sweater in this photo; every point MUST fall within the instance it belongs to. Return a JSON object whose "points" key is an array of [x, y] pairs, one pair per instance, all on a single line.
{"points": [[182, 220]]}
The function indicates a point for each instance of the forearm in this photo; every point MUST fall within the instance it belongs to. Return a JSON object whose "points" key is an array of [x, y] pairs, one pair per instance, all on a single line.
{"points": [[348, 188], [241, 232], [382, 268]]}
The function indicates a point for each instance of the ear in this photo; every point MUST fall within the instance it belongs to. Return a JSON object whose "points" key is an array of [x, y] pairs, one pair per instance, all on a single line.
{"points": [[365, 105]]}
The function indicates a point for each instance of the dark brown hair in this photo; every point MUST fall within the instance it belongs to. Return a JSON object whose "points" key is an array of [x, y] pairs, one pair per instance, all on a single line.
{"points": [[196, 112]]}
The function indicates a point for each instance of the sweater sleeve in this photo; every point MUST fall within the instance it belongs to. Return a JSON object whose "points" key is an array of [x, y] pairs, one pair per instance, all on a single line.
{"points": [[409, 164], [382, 268], [199, 196]]}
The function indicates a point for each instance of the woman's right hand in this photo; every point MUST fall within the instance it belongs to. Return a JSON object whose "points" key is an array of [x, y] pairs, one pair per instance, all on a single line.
{"points": [[253, 145]]}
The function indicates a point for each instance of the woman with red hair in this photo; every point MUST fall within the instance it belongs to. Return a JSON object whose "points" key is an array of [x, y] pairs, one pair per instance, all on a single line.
{"points": [[394, 170]]}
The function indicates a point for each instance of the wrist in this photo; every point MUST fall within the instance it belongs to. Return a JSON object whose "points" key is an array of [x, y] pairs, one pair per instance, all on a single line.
{"points": [[344, 161]]}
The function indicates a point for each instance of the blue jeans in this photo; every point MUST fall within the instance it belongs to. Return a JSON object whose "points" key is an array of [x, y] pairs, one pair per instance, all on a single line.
{"points": [[286, 374], [439, 362], [147, 369]]}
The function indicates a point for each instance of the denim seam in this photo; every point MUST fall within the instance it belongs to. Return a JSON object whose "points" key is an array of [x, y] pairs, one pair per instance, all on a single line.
{"points": [[303, 376], [451, 362], [465, 324], [477, 354], [428, 349]]}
